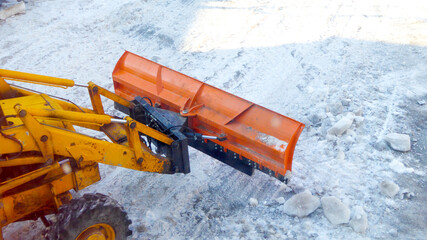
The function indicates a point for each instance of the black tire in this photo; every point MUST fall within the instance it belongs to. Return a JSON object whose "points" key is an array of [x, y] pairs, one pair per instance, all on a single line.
{"points": [[89, 210]]}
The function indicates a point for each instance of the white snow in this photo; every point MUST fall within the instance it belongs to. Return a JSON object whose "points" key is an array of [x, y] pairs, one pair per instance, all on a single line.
{"points": [[389, 188], [296, 57], [272, 141], [335, 211], [359, 220], [301, 204], [399, 142]]}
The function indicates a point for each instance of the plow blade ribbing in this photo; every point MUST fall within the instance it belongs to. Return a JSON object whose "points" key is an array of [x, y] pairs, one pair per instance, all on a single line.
{"points": [[256, 137]]}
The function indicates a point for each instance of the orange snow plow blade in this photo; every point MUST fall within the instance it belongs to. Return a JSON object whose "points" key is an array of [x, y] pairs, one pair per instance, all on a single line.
{"points": [[256, 137]]}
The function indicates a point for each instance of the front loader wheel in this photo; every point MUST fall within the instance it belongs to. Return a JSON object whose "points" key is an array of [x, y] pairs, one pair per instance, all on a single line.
{"points": [[93, 216]]}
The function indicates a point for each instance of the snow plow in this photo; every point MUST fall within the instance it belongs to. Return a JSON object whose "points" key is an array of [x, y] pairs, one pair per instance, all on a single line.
{"points": [[43, 156], [256, 137]]}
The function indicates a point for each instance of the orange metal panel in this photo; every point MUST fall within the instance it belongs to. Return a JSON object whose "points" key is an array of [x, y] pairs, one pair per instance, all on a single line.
{"points": [[259, 134]]}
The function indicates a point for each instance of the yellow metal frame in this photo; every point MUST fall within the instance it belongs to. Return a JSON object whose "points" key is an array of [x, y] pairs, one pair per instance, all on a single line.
{"points": [[67, 160]]}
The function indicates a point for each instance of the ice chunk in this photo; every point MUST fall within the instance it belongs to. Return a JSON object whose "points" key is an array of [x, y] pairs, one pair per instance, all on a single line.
{"points": [[405, 193], [398, 167], [359, 120], [389, 188], [11, 9], [342, 125], [335, 108], [359, 221], [358, 112], [399, 142], [341, 155], [335, 211], [346, 102], [301, 204], [314, 119], [280, 200], [253, 202]]}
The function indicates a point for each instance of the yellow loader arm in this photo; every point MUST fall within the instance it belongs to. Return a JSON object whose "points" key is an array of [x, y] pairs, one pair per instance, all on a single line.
{"points": [[38, 134]]}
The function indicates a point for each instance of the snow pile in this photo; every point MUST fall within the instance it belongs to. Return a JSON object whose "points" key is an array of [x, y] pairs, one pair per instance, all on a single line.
{"points": [[399, 142], [301, 204], [389, 188], [359, 221], [335, 211]]}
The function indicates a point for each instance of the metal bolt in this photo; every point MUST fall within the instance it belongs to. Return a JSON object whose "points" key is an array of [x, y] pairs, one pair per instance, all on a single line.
{"points": [[132, 125], [139, 161], [95, 89], [23, 113], [185, 111], [80, 159], [43, 138]]}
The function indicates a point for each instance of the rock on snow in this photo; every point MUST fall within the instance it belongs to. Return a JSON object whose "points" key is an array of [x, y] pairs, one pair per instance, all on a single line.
{"points": [[389, 188], [301, 204], [335, 211], [359, 221], [342, 125], [399, 142]]}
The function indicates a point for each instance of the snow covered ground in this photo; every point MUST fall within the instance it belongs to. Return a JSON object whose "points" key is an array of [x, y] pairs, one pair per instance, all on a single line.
{"points": [[313, 61]]}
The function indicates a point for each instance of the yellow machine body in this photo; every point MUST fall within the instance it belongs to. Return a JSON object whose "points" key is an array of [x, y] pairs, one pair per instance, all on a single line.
{"points": [[42, 156]]}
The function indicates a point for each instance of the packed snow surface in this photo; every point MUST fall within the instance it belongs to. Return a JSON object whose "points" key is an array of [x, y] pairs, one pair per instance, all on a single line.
{"points": [[314, 61]]}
